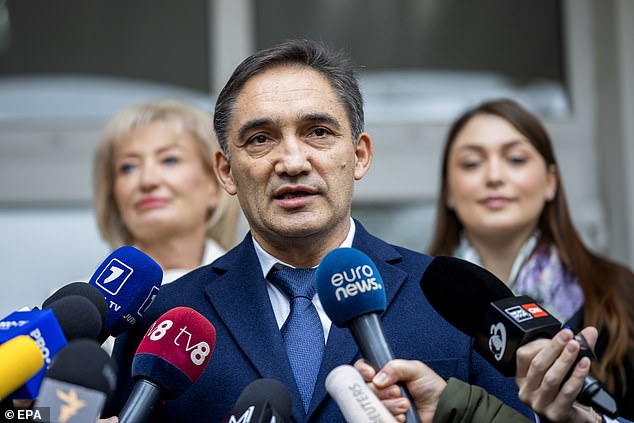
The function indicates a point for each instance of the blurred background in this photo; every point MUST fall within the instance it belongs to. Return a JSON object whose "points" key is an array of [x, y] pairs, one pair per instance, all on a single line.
{"points": [[67, 66]]}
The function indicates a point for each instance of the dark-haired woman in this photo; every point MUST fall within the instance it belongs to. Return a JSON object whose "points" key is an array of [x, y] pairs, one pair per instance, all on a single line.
{"points": [[502, 205]]}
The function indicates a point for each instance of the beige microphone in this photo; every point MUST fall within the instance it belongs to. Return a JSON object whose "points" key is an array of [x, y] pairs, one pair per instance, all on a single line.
{"points": [[355, 399]]}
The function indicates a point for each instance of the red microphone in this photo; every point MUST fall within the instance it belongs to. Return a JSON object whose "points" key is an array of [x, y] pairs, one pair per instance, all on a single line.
{"points": [[170, 358]]}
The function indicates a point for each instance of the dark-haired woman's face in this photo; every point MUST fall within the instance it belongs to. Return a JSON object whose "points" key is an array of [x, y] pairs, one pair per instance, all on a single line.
{"points": [[496, 180]]}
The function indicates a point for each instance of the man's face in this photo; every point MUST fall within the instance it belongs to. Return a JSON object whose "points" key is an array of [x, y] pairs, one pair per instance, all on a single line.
{"points": [[293, 160]]}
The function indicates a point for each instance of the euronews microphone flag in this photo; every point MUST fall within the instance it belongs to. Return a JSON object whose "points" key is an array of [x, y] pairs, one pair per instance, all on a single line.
{"points": [[349, 286], [352, 293], [130, 280]]}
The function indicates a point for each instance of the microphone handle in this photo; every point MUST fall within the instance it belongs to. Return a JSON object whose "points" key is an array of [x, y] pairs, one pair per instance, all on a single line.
{"points": [[143, 401], [592, 393], [367, 331]]}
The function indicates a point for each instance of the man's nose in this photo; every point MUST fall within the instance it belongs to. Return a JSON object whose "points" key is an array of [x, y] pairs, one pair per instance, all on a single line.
{"points": [[294, 157]]}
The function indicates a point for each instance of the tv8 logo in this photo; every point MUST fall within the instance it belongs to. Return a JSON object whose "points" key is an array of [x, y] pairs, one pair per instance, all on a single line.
{"points": [[198, 351]]}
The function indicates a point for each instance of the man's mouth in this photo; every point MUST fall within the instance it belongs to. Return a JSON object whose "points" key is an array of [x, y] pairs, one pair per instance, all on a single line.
{"points": [[294, 194]]}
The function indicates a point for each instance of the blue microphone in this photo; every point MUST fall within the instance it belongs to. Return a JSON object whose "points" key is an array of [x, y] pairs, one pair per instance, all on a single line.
{"points": [[129, 279], [43, 328], [352, 293], [71, 313]]}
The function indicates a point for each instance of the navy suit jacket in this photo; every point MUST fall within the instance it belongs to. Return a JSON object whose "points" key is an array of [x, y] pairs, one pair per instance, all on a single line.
{"points": [[231, 292]]}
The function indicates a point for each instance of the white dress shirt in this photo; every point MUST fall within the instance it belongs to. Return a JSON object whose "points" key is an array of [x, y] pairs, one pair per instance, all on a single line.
{"points": [[281, 304]]}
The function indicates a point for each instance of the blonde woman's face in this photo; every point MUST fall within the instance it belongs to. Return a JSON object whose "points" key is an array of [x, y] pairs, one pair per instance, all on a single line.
{"points": [[497, 181], [161, 187]]}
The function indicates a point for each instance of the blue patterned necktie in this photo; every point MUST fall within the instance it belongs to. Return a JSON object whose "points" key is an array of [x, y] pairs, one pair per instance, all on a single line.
{"points": [[302, 332]]}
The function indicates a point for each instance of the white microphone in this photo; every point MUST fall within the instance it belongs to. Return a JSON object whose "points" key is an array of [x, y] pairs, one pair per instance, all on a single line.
{"points": [[355, 399]]}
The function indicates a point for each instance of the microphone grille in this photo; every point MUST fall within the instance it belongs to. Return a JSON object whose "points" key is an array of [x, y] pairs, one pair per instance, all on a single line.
{"points": [[264, 391], [83, 362], [349, 285], [461, 291], [175, 350]]}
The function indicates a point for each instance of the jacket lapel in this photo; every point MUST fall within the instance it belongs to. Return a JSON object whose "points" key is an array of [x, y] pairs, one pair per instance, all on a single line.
{"points": [[341, 347], [240, 298]]}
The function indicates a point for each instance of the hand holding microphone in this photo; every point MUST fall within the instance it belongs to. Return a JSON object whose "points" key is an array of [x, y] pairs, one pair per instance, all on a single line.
{"points": [[356, 401], [436, 400], [424, 385], [477, 303], [549, 375], [351, 291]]}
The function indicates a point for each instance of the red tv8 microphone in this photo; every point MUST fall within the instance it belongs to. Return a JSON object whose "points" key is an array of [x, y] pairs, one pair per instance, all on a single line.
{"points": [[170, 358]]}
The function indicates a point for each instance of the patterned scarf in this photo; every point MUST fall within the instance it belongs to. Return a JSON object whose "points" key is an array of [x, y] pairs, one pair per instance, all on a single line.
{"points": [[539, 274]]}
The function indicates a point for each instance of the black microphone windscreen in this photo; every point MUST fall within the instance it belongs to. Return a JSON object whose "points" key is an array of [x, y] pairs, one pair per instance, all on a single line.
{"points": [[77, 316], [83, 289], [263, 392], [84, 363], [461, 291]]}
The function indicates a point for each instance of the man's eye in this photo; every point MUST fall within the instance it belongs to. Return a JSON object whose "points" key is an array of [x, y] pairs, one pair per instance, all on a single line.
{"points": [[258, 139], [320, 132]]}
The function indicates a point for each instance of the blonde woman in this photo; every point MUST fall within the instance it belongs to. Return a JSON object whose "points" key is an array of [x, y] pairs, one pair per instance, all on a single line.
{"points": [[155, 187]]}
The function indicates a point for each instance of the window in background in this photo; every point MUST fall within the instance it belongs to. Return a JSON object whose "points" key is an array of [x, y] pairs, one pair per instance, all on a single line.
{"points": [[155, 40], [421, 63], [426, 60]]}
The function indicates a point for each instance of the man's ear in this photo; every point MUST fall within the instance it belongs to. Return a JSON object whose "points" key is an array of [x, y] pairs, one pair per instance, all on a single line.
{"points": [[222, 167], [363, 151]]}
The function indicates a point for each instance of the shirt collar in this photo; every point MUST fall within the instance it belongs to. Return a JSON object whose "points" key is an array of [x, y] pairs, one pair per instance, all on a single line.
{"points": [[267, 261]]}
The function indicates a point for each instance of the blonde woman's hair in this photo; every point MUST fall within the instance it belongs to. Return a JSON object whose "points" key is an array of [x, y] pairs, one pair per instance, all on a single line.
{"points": [[223, 220]]}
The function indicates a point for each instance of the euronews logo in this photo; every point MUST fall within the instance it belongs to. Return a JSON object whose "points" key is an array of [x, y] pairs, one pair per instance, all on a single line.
{"points": [[355, 281]]}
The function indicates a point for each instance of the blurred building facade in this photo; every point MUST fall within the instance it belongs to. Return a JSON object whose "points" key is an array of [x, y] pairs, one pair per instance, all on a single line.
{"points": [[67, 67]]}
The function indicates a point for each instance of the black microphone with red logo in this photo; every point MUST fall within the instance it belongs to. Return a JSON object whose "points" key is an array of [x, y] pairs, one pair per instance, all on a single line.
{"points": [[476, 302]]}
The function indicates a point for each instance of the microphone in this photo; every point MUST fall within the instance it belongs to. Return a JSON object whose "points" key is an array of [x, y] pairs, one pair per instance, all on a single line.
{"points": [[77, 316], [43, 328], [82, 289], [129, 280], [353, 396], [480, 305], [64, 318], [351, 291], [262, 401], [170, 358], [20, 359], [79, 382]]}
